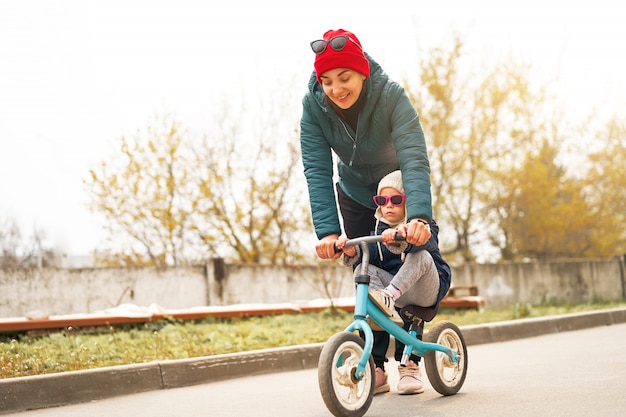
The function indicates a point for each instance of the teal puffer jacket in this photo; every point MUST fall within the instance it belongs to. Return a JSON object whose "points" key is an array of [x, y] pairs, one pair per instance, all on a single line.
{"points": [[388, 137]]}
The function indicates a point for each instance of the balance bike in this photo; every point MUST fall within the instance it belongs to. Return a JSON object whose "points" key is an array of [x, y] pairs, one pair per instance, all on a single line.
{"points": [[346, 371]]}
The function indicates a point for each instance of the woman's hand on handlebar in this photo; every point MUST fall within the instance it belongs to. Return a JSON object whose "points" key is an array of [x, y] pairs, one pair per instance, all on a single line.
{"points": [[325, 248], [415, 232]]}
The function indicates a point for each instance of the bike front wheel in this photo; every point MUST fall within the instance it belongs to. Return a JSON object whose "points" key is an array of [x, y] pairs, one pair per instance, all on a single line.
{"points": [[344, 394], [445, 375]]}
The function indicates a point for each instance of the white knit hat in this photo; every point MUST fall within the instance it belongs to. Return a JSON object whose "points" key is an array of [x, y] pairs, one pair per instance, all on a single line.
{"points": [[391, 180]]}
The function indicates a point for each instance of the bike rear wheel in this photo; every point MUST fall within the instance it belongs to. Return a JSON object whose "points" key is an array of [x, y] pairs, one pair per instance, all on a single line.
{"points": [[344, 394], [446, 376]]}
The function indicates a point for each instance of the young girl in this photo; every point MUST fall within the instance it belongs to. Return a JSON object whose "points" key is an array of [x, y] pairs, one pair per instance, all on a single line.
{"points": [[401, 275]]}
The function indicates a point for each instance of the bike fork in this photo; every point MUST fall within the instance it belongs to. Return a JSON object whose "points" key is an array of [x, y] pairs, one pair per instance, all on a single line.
{"points": [[360, 323]]}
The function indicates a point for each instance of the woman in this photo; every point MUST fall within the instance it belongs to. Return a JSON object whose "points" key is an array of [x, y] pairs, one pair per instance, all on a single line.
{"points": [[353, 109]]}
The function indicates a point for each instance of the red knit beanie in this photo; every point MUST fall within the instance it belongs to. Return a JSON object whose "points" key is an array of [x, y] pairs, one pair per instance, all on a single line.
{"points": [[351, 56]]}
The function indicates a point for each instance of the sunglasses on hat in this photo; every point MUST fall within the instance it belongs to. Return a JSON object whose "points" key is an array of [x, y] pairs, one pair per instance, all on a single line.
{"points": [[383, 200], [337, 43]]}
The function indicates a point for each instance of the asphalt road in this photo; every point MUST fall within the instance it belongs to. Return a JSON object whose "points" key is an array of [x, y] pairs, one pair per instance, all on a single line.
{"points": [[574, 374]]}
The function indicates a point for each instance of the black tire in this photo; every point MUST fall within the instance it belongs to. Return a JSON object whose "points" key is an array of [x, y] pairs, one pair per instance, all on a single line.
{"points": [[444, 375], [344, 394]]}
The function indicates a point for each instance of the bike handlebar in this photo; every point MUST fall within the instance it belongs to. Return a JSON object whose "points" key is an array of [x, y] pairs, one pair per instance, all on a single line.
{"points": [[369, 239], [372, 239], [363, 241]]}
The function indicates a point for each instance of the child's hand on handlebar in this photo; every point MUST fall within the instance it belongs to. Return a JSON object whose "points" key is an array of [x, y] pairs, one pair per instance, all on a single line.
{"points": [[389, 236], [340, 245], [394, 241], [415, 232], [325, 248]]}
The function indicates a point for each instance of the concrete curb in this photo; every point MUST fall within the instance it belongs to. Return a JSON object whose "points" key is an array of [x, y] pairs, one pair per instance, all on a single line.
{"points": [[43, 391], [517, 329]]}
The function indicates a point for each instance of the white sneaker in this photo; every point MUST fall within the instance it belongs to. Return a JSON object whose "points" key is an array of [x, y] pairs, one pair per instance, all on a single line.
{"points": [[383, 300], [410, 379]]}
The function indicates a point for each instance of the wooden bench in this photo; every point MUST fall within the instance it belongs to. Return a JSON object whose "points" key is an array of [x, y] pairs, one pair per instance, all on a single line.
{"points": [[463, 297]]}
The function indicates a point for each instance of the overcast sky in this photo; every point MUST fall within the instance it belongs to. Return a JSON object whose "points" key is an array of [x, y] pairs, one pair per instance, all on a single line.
{"points": [[77, 75]]}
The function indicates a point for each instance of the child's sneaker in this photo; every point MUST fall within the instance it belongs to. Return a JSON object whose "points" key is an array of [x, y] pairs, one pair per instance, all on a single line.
{"points": [[382, 384], [383, 300], [410, 379]]}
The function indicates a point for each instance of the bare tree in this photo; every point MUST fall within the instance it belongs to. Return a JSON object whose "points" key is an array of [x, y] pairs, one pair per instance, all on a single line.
{"points": [[253, 206], [172, 199], [146, 195], [605, 183], [479, 126], [10, 244], [18, 251]]}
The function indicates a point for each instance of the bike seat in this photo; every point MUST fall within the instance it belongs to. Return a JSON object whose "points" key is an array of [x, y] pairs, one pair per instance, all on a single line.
{"points": [[411, 312]]}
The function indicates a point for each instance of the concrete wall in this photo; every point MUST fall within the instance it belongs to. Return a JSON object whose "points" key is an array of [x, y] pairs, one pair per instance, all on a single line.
{"points": [[575, 282], [69, 291], [239, 284], [75, 291]]}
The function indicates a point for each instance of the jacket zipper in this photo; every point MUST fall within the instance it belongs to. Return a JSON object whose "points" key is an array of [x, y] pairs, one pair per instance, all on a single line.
{"points": [[351, 138]]}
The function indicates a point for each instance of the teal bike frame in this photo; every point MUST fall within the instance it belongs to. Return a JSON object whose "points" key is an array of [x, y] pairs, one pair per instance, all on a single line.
{"points": [[364, 307]]}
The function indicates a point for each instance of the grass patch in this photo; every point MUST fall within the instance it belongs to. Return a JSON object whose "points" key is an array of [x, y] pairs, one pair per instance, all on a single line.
{"points": [[76, 349]]}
